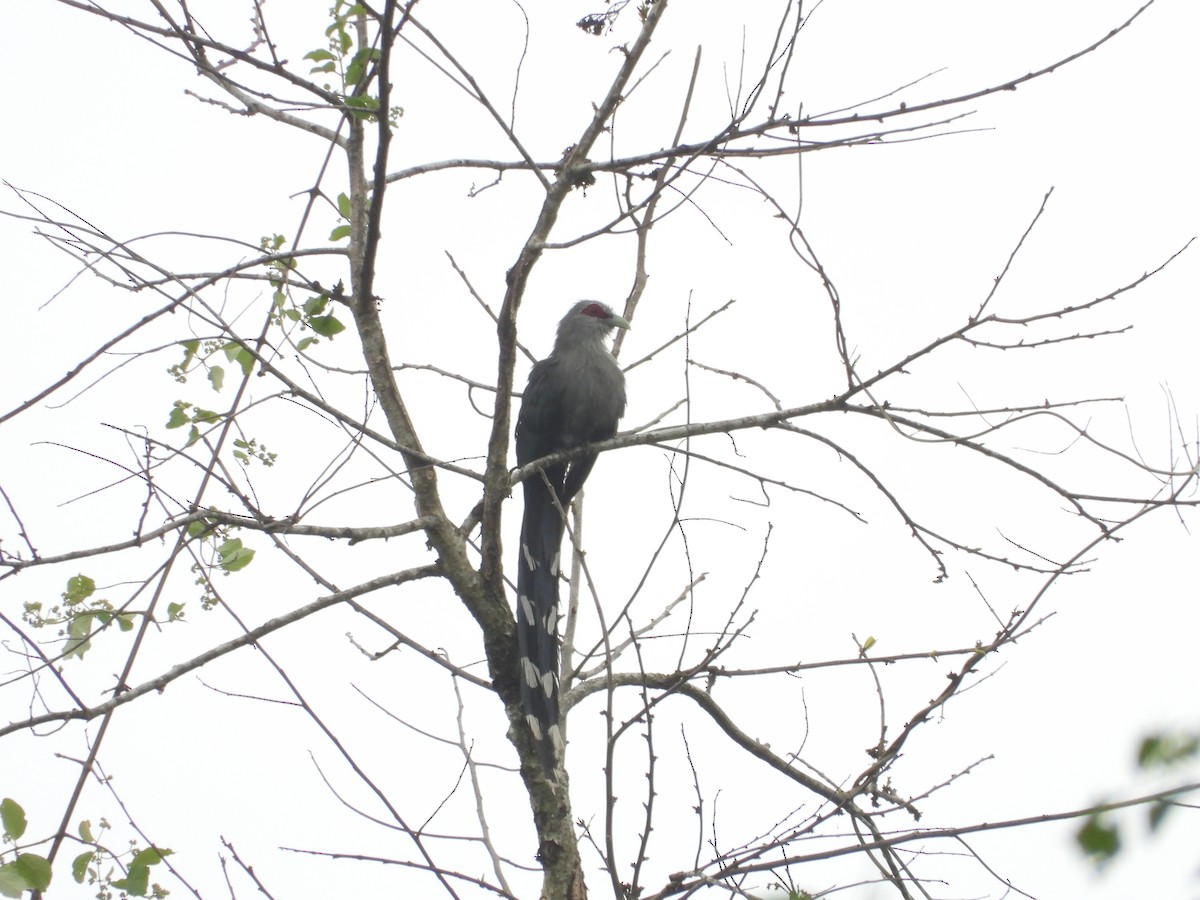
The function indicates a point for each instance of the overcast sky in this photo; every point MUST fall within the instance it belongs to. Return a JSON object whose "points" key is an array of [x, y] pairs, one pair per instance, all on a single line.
{"points": [[913, 234]]}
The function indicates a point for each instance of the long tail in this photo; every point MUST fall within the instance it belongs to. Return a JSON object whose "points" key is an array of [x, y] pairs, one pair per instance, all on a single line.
{"points": [[537, 619]]}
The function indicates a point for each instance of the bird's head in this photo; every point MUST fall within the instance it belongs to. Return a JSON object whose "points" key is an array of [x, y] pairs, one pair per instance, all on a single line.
{"points": [[588, 320]]}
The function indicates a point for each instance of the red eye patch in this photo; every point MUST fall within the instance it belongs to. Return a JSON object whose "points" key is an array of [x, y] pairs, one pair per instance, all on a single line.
{"points": [[596, 311]]}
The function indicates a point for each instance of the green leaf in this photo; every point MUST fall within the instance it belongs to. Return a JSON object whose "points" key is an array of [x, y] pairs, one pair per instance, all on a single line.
{"points": [[197, 528], [136, 882], [35, 870], [344, 206], [207, 416], [245, 359], [235, 352], [316, 304], [13, 817], [179, 416], [1158, 812], [151, 856], [193, 436], [237, 561], [1163, 750], [79, 866], [78, 632], [1098, 840], [190, 349], [340, 233], [326, 326], [362, 101], [125, 623], [318, 55], [174, 612], [216, 377], [12, 884], [1148, 750], [305, 343], [79, 587], [85, 831], [232, 556]]}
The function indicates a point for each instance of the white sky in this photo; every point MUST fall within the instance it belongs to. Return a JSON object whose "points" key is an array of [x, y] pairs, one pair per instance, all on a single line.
{"points": [[912, 234]]}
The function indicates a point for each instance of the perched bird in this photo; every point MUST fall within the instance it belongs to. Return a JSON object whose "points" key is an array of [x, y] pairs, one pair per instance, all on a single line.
{"points": [[575, 396]]}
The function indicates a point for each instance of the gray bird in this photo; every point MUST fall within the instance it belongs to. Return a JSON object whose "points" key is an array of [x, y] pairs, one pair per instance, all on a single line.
{"points": [[575, 396]]}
